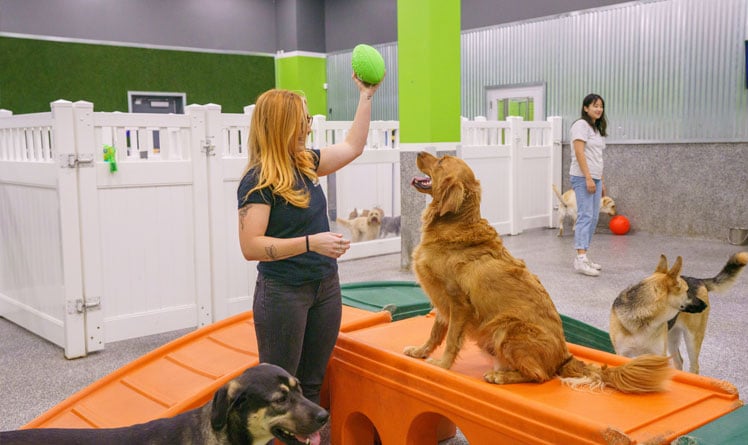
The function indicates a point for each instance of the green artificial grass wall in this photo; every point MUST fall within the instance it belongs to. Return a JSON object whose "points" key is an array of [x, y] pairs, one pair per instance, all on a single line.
{"points": [[34, 73]]}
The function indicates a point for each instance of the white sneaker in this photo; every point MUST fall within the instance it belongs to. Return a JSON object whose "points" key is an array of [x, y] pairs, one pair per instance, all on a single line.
{"points": [[583, 266], [594, 265]]}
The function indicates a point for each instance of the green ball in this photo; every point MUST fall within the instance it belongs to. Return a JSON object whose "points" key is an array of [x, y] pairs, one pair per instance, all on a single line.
{"points": [[368, 64]]}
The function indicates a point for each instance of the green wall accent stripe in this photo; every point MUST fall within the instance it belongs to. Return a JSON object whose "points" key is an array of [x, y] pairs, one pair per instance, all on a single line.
{"points": [[34, 73], [307, 74], [429, 70]]}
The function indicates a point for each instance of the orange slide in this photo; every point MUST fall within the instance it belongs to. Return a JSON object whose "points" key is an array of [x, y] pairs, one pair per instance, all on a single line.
{"points": [[177, 377], [374, 391]]}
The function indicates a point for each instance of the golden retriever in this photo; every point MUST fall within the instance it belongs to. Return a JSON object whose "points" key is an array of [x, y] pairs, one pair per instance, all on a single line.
{"points": [[567, 208], [481, 291]]}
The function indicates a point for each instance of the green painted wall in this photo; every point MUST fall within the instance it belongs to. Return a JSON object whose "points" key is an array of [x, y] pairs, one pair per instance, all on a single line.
{"points": [[34, 73], [429, 70], [307, 74]]}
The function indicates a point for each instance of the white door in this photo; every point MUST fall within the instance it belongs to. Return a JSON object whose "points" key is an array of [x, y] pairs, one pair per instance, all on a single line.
{"points": [[526, 101]]}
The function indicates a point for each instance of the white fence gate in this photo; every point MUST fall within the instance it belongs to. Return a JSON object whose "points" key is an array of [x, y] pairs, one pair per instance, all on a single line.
{"points": [[516, 162], [89, 256]]}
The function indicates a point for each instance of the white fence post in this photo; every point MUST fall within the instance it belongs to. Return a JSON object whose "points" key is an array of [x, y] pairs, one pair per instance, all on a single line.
{"points": [[217, 201], [64, 140], [555, 163], [5, 143], [515, 210], [201, 148], [89, 225]]}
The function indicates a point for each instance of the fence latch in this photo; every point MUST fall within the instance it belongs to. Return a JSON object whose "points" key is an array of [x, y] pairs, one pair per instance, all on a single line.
{"points": [[82, 305], [71, 160], [208, 148]]}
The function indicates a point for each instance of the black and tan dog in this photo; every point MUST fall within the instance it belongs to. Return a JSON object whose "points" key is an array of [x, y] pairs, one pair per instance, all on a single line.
{"points": [[653, 316], [690, 328], [263, 403], [481, 292]]}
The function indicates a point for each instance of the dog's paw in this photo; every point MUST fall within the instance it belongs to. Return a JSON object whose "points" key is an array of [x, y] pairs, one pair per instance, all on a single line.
{"points": [[438, 362], [415, 352], [496, 377]]}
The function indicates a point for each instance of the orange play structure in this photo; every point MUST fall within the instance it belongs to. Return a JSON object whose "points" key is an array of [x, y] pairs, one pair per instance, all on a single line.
{"points": [[177, 377], [378, 391], [378, 395]]}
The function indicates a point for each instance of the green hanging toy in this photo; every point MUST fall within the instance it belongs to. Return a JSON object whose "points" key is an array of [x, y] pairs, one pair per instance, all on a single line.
{"points": [[110, 156]]}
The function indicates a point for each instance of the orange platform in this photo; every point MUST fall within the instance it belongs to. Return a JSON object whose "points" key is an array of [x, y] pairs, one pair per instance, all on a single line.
{"points": [[178, 376], [376, 390]]}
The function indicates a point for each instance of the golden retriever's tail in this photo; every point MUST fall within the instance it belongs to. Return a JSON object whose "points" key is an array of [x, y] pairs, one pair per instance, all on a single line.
{"points": [[643, 374], [558, 195], [726, 277]]}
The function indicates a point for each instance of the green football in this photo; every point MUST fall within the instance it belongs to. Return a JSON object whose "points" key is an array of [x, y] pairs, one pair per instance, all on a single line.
{"points": [[368, 64]]}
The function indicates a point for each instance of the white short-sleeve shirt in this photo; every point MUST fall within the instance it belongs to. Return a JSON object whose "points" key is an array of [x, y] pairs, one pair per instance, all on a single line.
{"points": [[594, 144]]}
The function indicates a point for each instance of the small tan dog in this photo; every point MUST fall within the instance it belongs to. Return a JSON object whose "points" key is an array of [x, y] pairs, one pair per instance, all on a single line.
{"points": [[567, 207], [356, 213], [364, 228]]}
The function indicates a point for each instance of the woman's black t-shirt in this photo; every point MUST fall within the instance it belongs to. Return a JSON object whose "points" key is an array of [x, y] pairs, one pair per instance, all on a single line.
{"points": [[288, 221]]}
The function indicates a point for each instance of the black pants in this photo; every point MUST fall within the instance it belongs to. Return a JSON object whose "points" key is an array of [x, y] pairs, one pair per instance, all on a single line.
{"points": [[297, 326]]}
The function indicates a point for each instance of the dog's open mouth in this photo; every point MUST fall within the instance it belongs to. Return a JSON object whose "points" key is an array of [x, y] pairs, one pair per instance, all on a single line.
{"points": [[421, 182], [290, 438]]}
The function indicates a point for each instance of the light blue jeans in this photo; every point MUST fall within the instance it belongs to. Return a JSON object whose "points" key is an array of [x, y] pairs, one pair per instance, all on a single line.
{"points": [[588, 210]]}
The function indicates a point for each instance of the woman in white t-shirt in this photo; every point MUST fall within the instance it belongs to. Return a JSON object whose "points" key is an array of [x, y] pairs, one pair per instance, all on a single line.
{"points": [[587, 136]]}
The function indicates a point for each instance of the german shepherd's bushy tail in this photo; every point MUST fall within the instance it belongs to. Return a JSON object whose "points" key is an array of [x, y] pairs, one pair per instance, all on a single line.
{"points": [[643, 374], [726, 277]]}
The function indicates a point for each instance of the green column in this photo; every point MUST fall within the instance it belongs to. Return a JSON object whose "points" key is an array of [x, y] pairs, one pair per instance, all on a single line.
{"points": [[428, 62], [306, 72], [429, 71]]}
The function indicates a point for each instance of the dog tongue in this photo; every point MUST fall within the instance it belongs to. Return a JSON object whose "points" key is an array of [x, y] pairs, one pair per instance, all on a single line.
{"points": [[314, 439]]}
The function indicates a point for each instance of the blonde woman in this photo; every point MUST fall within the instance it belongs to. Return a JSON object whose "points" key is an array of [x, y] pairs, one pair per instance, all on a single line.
{"points": [[283, 224]]}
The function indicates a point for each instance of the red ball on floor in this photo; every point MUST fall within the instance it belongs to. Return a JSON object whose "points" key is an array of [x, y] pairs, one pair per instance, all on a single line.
{"points": [[619, 225]]}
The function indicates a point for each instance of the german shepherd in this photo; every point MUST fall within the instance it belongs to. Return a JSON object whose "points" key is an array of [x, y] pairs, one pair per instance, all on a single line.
{"points": [[263, 403], [653, 316], [481, 291]]}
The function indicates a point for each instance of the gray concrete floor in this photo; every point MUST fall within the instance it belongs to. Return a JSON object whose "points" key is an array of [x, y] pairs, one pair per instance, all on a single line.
{"points": [[34, 375]]}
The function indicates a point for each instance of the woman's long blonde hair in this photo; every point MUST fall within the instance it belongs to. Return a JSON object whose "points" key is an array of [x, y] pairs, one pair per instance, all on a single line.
{"points": [[279, 125]]}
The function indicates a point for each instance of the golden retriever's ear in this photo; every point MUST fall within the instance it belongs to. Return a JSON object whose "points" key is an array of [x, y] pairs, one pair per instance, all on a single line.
{"points": [[662, 265], [451, 194], [675, 271]]}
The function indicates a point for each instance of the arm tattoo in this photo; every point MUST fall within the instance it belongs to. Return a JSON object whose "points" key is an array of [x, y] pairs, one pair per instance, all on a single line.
{"points": [[271, 251], [242, 214]]}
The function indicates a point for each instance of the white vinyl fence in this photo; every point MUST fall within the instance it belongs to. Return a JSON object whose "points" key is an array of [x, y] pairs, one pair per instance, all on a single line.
{"points": [[516, 162], [90, 256]]}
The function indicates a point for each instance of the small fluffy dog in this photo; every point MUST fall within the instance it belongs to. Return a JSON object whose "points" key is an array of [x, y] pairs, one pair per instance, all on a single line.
{"points": [[480, 291], [390, 224], [567, 208], [356, 213], [262, 404], [364, 228]]}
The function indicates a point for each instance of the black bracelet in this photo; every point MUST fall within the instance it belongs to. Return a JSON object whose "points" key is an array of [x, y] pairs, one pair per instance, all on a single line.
{"points": [[307, 243]]}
